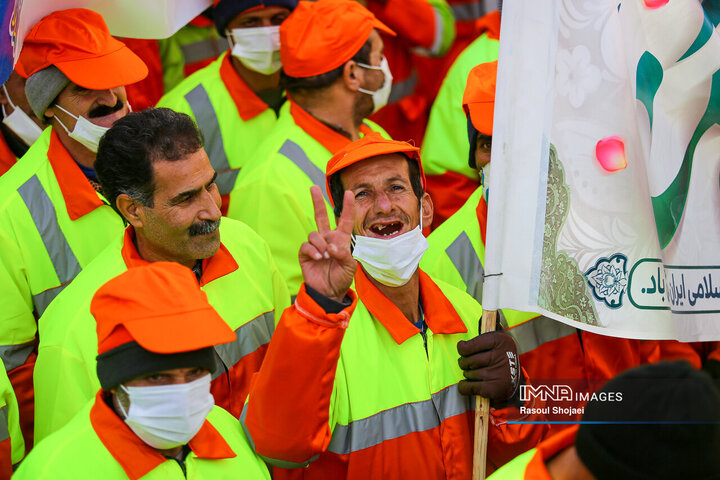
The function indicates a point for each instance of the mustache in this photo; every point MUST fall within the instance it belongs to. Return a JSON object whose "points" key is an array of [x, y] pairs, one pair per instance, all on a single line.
{"points": [[204, 228], [102, 110]]}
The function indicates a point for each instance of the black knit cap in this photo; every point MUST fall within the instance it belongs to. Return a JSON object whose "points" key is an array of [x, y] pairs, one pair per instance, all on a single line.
{"points": [[666, 426], [130, 361], [226, 10]]}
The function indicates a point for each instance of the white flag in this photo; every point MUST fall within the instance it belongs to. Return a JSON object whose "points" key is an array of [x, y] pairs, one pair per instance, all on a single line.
{"points": [[604, 204]]}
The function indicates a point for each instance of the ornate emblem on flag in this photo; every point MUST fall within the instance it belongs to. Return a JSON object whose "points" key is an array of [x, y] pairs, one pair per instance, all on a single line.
{"points": [[608, 280]]}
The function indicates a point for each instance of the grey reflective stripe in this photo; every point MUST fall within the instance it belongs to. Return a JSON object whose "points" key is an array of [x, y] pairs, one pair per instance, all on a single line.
{"points": [[4, 430], [250, 337], [533, 333], [399, 421], [14, 356], [466, 262], [43, 299], [297, 155], [61, 255], [469, 11], [207, 121], [403, 89], [204, 49], [439, 25], [272, 461]]}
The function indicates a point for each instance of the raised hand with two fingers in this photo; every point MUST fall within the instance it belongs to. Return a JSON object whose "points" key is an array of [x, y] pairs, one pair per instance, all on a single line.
{"points": [[325, 259]]}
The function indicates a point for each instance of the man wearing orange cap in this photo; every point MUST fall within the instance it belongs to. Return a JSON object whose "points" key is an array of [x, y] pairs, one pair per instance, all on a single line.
{"points": [[457, 253], [154, 416], [52, 219], [20, 127], [335, 76], [235, 99], [379, 392], [155, 173]]}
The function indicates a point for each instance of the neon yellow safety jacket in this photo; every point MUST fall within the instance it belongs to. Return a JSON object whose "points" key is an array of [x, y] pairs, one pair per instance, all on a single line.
{"points": [[97, 444], [12, 445], [242, 284]]}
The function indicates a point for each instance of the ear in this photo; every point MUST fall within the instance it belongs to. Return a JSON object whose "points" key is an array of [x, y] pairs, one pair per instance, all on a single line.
{"points": [[427, 209], [351, 76], [3, 97], [133, 211], [49, 112]]}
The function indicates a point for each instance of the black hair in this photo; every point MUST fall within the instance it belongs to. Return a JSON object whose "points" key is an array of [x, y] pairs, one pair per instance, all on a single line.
{"points": [[337, 190], [310, 85], [124, 162]]}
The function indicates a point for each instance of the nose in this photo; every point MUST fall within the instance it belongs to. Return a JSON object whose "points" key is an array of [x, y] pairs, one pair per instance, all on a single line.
{"points": [[107, 97], [211, 204], [382, 203]]}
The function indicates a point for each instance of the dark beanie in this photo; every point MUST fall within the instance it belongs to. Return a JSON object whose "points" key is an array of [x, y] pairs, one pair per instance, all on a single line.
{"points": [[130, 361], [226, 10], [663, 423]]}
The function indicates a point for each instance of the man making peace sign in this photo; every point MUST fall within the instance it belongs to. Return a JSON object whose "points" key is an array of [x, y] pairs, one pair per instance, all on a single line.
{"points": [[381, 394]]}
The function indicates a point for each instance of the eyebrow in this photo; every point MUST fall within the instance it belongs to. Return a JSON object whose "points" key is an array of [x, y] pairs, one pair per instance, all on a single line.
{"points": [[189, 193], [389, 180]]}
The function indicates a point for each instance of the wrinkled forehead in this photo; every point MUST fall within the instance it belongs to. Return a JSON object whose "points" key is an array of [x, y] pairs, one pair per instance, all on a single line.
{"points": [[377, 169]]}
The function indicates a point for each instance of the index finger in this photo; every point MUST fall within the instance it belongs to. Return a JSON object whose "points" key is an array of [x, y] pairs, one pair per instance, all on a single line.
{"points": [[321, 216], [347, 217]]}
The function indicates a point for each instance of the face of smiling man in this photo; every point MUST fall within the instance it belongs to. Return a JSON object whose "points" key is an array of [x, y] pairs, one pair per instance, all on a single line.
{"points": [[385, 204]]}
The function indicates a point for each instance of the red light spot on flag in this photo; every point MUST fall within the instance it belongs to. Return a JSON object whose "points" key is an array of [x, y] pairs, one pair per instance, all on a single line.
{"points": [[610, 153]]}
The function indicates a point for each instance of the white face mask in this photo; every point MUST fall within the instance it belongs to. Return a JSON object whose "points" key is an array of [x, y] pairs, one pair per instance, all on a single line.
{"points": [[85, 132], [257, 48], [168, 416], [391, 262], [381, 95], [20, 122]]}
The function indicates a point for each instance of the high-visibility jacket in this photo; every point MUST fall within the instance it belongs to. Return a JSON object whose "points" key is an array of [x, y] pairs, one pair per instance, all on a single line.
{"points": [[241, 282], [531, 464], [424, 26], [190, 49], [98, 444], [12, 445], [232, 118], [457, 255], [364, 394], [7, 157], [445, 148], [52, 224], [272, 193]]}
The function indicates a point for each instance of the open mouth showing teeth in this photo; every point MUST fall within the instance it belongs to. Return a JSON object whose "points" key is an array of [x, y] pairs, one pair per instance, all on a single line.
{"points": [[386, 229]]}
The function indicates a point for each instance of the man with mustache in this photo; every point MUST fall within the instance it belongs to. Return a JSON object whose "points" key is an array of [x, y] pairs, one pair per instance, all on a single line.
{"points": [[379, 383], [156, 174], [53, 221]]}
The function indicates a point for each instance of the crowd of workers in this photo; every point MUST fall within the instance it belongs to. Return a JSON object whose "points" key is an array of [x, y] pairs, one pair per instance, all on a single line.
{"points": [[216, 262]]}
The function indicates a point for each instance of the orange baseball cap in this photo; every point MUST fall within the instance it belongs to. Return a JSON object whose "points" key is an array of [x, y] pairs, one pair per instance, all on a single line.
{"points": [[77, 42], [479, 96], [322, 35], [161, 307], [371, 145]]}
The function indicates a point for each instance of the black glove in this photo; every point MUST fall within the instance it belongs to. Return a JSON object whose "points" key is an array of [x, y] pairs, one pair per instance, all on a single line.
{"points": [[491, 366]]}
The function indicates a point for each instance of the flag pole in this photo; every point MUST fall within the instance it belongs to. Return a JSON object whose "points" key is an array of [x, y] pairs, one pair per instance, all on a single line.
{"points": [[482, 411]]}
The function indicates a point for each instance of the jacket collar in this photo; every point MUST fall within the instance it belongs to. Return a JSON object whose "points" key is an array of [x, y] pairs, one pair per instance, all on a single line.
{"points": [[328, 138], [440, 315], [481, 212], [80, 197], [247, 102], [219, 265], [138, 458]]}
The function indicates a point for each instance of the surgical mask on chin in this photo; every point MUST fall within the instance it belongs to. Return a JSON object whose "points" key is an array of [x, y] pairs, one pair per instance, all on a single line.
{"points": [[20, 122], [168, 416], [85, 132], [381, 95], [391, 262], [257, 48]]}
